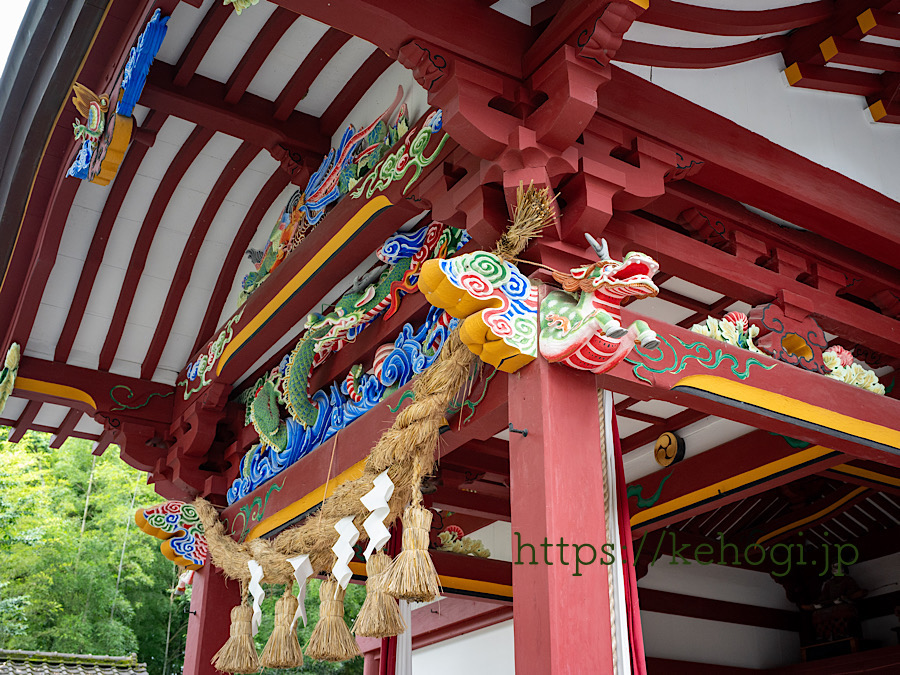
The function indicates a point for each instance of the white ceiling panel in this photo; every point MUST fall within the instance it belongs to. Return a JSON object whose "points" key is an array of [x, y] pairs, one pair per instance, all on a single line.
{"points": [[628, 426], [658, 408], [692, 291], [660, 35], [334, 76], [179, 30], [287, 55], [381, 94], [233, 41], [14, 407], [51, 415], [88, 425], [89, 340], [658, 309]]}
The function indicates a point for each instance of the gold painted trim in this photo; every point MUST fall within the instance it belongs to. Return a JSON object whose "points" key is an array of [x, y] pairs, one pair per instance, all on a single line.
{"points": [[865, 473], [454, 583], [353, 225], [307, 502], [53, 389], [803, 521], [791, 407], [731, 484]]}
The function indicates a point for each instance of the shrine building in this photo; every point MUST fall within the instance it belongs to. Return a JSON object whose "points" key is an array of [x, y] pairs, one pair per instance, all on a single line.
{"points": [[571, 328]]}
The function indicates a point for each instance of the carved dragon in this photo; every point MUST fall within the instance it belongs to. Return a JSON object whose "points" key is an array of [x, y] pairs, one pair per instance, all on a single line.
{"points": [[579, 325], [341, 168], [288, 386]]}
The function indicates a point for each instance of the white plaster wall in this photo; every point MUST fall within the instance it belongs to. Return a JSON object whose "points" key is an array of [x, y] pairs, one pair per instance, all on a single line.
{"points": [[833, 130], [489, 651]]}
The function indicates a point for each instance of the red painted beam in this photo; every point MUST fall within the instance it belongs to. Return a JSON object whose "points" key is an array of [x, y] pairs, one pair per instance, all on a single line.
{"points": [[118, 397], [798, 519], [838, 80], [665, 56], [298, 86], [251, 223], [200, 42], [44, 429], [232, 171], [751, 456], [879, 23], [117, 192], [860, 54], [204, 103], [470, 503], [741, 279], [186, 155], [696, 607], [66, 428], [256, 54], [361, 81], [24, 422], [753, 170], [466, 27], [712, 21]]}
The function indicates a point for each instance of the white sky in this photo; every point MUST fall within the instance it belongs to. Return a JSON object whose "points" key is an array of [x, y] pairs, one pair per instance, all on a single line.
{"points": [[11, 12]]}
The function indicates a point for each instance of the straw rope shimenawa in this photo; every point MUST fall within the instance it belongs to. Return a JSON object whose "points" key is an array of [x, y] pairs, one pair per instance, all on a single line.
{"points": [[283, 648], [406, 450], [379, 617], [331, 639]]}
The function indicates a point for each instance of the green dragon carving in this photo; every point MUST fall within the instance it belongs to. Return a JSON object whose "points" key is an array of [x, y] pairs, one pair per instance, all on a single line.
{"points": [[328, 333]]}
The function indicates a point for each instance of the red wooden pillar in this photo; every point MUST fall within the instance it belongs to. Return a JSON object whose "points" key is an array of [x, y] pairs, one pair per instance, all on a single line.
{"points": [[212, 599], [560, 620]]}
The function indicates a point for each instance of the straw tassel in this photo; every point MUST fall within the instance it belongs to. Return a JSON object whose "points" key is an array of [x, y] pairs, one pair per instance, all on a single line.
{"points": [[331, 639], [238, 654], [412, 575], [379, 617], [283, 649]]}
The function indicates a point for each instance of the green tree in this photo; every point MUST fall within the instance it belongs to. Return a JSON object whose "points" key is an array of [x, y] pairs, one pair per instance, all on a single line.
{"points": [[65, 583], [353, 601]]}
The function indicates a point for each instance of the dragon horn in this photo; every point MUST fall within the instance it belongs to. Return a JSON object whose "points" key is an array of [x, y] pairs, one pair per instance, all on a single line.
{"points": [[601, 250]]}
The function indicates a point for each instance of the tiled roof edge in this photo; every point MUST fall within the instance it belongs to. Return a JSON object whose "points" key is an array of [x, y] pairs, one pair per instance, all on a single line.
{"points": [[56, 657]]}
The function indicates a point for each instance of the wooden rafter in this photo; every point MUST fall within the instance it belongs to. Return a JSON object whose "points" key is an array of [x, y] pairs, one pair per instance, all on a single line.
{"points": [[306, 73], [239, 245], [200, 42], [117, 193], [262, 45], [229, 176], [183, 159]]}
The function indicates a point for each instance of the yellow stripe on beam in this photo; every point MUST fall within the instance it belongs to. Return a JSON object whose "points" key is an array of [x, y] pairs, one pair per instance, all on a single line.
{"points": [[53, 389], [791, 407], [342, 236], [865, 473], [731, 484], [309, 501], [816, 516], [455, 583]]}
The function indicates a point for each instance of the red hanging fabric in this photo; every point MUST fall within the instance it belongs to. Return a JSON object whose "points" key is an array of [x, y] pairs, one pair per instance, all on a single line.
{"points": [[635, 634]]}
